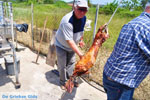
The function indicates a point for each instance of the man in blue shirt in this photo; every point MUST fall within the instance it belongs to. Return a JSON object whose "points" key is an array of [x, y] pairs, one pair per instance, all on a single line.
{"points": [[129, 62], [69, 34]]}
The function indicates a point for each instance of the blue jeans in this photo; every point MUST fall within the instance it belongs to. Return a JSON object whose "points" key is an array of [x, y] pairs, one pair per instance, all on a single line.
{"points": [[116, 91]]}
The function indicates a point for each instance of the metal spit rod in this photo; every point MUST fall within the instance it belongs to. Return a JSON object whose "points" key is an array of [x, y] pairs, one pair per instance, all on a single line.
{"points": [[114, 13]]}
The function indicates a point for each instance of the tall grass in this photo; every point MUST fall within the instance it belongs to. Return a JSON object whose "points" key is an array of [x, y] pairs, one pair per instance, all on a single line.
{"points": [[41, 11], [113, 28], [54, 14]]}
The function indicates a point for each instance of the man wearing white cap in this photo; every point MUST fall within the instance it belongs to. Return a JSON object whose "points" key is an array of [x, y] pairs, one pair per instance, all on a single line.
{"points": [[129, 63], [69, 34]]}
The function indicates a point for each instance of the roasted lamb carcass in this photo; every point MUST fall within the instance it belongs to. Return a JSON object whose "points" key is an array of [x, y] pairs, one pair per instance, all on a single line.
{"points": [[88, 60]]}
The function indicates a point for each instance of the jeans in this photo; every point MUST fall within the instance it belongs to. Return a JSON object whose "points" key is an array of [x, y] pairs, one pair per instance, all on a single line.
{"points": [[66, 62], [117, 91]]}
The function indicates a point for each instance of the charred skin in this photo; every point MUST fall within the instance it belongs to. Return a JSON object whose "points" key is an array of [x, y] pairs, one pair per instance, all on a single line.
{"points": [[88, 60]]}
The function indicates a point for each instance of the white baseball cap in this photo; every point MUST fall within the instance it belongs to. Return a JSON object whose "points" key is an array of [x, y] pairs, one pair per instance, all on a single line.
{"points": [[81, 3], [147, 4]]}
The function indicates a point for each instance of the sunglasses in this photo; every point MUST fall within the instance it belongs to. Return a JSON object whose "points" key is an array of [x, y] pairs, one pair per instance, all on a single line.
{"points": [[82, 9]]}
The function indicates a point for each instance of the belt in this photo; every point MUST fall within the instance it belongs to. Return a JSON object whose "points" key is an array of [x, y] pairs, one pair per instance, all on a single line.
{"points": [[109, 79]]}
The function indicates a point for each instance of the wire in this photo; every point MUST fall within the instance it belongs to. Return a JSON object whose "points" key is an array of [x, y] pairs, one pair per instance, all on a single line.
{"points": [[93, 85]]}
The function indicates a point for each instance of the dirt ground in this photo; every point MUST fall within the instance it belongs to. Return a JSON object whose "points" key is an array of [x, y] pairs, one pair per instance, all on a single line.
{"points": [[38, 82]]}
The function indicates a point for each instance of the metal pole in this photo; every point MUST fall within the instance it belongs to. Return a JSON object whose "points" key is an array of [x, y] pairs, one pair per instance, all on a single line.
{"points": [[97, 9], [73, 4], [10, 9], [10, 12], [32, 26], [6, 10], [17, 84], [2, 11]]}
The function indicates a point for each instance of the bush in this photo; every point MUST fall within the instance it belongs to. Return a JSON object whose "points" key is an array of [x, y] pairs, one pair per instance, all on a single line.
{"points": [[48, 1], [29, 2], [127, 13], [62, 4], [109, 8]]}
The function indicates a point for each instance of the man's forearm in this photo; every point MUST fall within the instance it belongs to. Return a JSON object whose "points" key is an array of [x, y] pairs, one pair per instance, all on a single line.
{"points": [[74, 47]]}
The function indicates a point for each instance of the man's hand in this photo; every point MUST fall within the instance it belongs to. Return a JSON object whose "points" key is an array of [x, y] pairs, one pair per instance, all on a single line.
{"points": [[81, 44], [80, 56]]}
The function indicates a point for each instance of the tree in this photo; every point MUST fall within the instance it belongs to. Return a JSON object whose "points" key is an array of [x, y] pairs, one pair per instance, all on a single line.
{"points": [[132, 4], [110, 7], [143, 2], [89, 4], [48, 1], [126, 4], [135, 4]]}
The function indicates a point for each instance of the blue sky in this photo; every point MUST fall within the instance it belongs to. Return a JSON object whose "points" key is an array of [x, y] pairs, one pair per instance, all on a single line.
{"points": [[95, 1]]}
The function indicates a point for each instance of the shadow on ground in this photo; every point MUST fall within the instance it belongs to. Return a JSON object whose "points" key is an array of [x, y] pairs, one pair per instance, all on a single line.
{"points": [[4, 77], [69, 96], [54, 79]]}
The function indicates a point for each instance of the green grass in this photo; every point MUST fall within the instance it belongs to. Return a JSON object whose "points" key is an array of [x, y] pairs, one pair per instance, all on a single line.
{"points": [[41, 11], [113, 28]]}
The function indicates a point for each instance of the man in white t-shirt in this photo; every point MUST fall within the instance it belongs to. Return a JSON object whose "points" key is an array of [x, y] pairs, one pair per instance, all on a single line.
{"points": [[69, 34]]}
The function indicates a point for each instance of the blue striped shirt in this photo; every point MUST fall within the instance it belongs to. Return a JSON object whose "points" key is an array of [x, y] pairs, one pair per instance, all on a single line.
{"points": [[129, 62]]}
